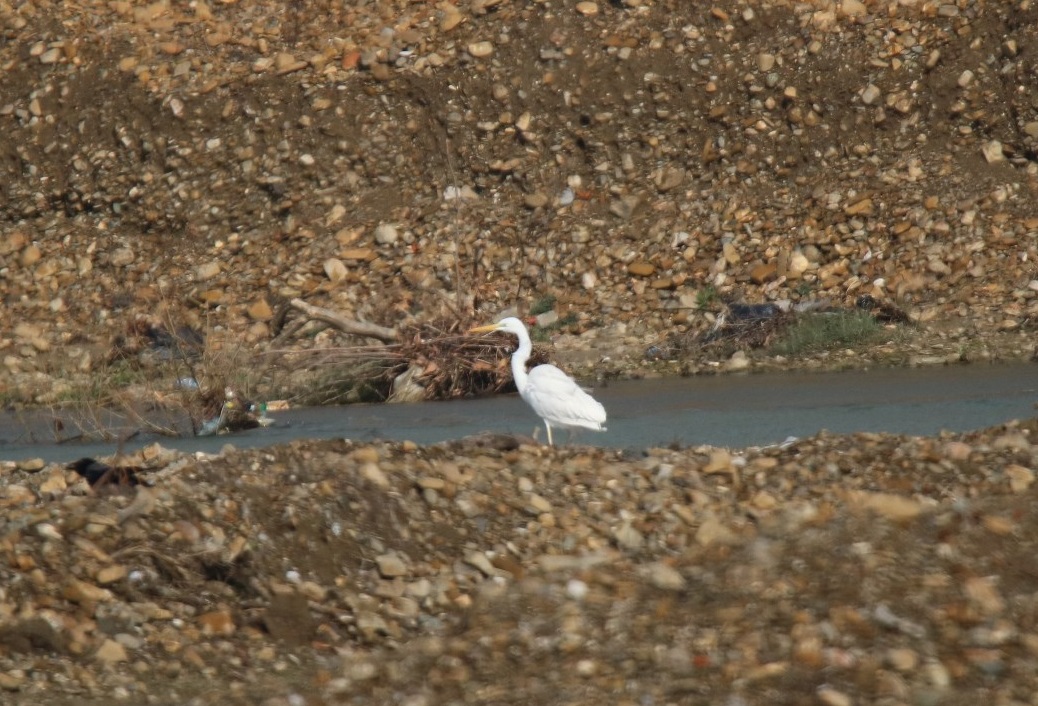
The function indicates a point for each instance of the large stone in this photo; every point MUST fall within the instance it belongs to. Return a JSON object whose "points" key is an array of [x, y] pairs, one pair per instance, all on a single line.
{"points": [[362, 254], [386, 234], [219, 622], [889, 505], [641, 269], [111, 574], [391, 566], [123, 257], [481, 49], [1020, 477], [82, 592], [260, 310], [764, 272], [662, 575], [207, 270], [30, 256], [861, 207], [111, 652], [335, 269], [992, 152], [16, 240]]}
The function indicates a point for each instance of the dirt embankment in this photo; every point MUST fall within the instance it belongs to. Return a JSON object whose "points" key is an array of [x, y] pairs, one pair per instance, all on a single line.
{"points": [[638, 162]]}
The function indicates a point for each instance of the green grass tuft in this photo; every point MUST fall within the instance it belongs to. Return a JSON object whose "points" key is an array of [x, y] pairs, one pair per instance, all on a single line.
{"points": [[542, 305], [706, 296], [827, 331]]}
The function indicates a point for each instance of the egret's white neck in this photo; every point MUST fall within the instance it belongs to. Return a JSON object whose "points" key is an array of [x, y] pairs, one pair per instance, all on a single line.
{"points": [[519, 358]]}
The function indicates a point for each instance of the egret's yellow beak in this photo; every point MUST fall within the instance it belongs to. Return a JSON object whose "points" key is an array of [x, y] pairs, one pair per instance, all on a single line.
{"points": [[484, 329]]}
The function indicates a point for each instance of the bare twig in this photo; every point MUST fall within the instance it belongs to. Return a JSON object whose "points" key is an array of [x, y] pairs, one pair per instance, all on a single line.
{"points": [[357, 328]]}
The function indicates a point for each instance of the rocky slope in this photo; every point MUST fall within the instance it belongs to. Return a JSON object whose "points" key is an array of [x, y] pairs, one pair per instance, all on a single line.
{"points": [[200, 163], [864, 569]]}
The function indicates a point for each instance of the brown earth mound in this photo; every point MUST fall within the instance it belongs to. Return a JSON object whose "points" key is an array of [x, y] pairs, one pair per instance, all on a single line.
{"points": [[836, 569], [399, 161], [198, 164]]}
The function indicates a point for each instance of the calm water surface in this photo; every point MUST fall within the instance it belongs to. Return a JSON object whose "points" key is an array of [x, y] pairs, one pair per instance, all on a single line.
{"points": [[724, 410]]}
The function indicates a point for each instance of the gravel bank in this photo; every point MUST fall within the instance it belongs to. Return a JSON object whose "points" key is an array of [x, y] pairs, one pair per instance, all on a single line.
{"points": [[200, 163], [839, 569]]}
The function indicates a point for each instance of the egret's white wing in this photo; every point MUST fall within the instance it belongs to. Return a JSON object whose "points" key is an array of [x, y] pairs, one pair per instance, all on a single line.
{"points": [[559, 400]]}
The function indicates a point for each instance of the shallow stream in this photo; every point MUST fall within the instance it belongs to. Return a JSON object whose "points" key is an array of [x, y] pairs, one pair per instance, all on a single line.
{"points": [[724, 410]]}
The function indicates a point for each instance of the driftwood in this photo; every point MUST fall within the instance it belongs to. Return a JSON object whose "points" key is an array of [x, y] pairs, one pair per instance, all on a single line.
{"points": [[356, 328]]}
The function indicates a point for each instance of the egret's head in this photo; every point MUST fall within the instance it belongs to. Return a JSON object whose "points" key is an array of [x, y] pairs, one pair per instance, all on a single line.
{"points": [[508, 325]]}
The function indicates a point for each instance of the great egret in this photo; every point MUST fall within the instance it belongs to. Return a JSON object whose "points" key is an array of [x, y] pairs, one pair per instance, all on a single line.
{"points": [[554, 395]]}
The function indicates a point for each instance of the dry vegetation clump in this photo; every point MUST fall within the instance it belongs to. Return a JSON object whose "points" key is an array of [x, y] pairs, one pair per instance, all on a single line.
{"points": [[735, 327], [743, 326], [146, 339], [437, 360], [157, 368]]}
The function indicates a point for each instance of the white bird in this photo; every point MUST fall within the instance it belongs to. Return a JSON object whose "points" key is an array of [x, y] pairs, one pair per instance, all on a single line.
{"points": [[554, 395]]}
